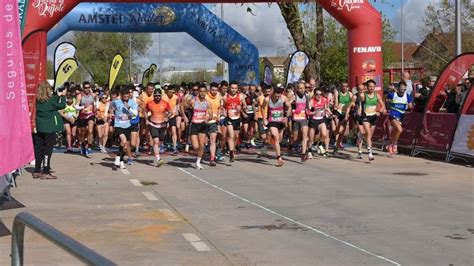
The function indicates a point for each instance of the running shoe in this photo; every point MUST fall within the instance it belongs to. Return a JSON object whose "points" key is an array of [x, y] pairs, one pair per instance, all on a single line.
{"points": [[186, 148], [341, 146], [130, 161], [390, 149], [175, 151], [162, 149], [252, 141], [304, 157], [117, 161], [310, 155], [69, 150], [83, 151], [219, 157], [280, 161], [212, 163], [395, 149], [102, 149], [371, 157], [321, 149], [231, 157], [88, 153], [359, 155], [122, 165], [198, 166], [325, 155], [159, 162]]}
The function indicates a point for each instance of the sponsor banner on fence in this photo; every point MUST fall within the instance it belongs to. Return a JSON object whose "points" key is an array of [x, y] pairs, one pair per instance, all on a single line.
{"points": [[411, 127], [437, 132], [463, 142], [15, 131], [63, 51], [380, 132]]}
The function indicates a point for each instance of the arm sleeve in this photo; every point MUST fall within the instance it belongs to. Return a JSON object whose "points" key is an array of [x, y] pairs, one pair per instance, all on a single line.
{"points": [[59, 102], [390, 96], [134, 108]]}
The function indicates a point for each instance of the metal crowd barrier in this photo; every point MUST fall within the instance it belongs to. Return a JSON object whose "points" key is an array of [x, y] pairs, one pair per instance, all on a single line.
{"points": [[81, 252]]}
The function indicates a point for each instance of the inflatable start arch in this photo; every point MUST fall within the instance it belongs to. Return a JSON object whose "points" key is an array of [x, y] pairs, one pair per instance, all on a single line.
{"points": [[362, 20], [194, 19]]}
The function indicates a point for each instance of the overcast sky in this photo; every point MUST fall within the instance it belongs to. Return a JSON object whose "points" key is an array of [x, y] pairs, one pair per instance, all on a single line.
{"points": [[266, 29]]}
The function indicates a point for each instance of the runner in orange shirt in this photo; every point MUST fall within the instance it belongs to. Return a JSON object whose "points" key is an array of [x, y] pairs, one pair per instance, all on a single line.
{"points": [[175, 120], [160, 113], [145, 97], [215, 101]]}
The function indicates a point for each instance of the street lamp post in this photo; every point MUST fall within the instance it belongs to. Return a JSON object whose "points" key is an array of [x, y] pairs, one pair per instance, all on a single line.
{"points": [[401, 36], [458, 28], [130, 56]]}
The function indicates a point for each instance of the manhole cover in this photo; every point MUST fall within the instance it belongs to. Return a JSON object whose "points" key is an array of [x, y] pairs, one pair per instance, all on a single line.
{"points": [[410, 173]]}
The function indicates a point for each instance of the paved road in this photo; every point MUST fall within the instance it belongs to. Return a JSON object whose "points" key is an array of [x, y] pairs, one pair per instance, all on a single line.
{"points": [[335, 211]]}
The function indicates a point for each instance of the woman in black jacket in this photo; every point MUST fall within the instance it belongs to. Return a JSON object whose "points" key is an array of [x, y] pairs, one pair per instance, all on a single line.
{"points": [[48, 122]]}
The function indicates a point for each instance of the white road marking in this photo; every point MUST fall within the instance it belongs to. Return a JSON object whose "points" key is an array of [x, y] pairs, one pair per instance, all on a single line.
{"points": [[125, 172], [191, 237], [200, 246], [169, 215], [150, 196], [136, 183], [289, 219]]}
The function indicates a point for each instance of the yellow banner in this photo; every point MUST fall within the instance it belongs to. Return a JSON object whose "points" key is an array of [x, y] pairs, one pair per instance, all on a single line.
{"points": [[114, 69], [151, 72], [65, 70], [146, 77]]}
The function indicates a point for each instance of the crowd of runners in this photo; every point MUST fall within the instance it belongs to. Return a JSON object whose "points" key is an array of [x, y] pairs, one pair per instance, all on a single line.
{"points": [[220, 119]]}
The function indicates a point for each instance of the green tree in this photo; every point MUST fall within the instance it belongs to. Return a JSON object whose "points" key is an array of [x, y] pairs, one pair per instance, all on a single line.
{"points": [[293, 15], [334, 58], [95, 52], [439, 46]]}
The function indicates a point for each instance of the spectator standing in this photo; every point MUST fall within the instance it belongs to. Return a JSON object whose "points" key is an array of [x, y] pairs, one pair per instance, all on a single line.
{"points": [[423, 94], [48, 122], [406, 78], [453, 99]]}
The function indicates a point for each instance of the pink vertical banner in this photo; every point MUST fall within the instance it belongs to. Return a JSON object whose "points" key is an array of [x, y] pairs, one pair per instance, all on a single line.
{"points": [[15, 131]]}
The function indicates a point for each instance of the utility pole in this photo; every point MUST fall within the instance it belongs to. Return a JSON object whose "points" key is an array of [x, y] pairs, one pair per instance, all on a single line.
{"points": [[458, 28], [224, 67], [160, 68], [130, 56], [401, 36]]}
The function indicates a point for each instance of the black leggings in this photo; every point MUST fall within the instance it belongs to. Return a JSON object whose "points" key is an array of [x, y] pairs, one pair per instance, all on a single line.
{"points": [[43, 143]]}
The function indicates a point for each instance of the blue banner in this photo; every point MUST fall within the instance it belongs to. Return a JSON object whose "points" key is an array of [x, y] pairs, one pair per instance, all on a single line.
{"points": [[194, 19]]}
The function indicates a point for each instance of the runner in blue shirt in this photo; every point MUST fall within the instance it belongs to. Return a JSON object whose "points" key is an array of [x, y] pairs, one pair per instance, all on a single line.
{"points": [[125, 109], [400, 102]]}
